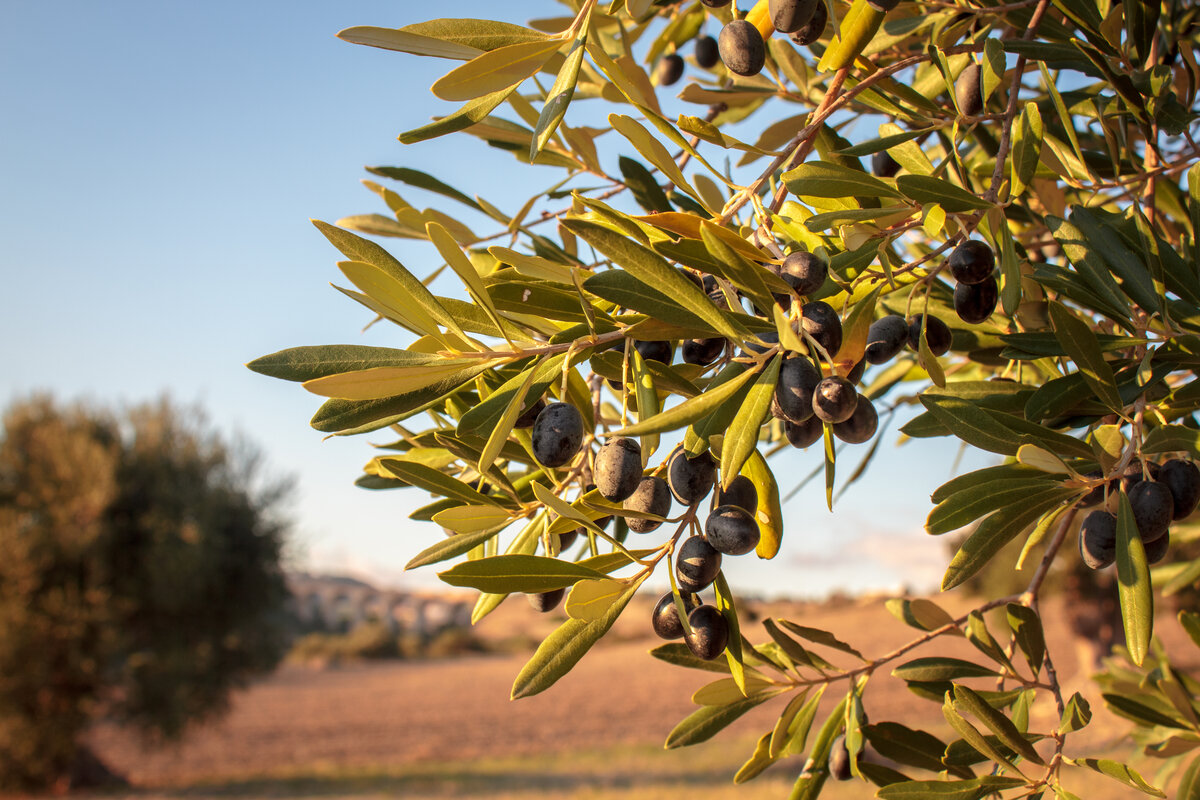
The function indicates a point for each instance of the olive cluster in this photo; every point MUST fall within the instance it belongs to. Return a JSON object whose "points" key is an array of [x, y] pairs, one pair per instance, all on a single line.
{"points": [[740, 46], [972, 264], [1159, 494], [976, 292], [730, 529], [809, 394]]}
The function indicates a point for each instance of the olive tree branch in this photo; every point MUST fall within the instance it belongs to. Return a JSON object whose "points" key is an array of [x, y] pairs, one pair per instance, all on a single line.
{"points": [[1011, 112]]}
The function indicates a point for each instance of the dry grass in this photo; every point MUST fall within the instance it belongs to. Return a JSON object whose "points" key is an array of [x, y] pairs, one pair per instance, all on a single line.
{"points": [[446, 729]]}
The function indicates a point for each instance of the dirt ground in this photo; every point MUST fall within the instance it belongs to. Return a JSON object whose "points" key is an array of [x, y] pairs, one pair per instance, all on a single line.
{"points": [[387, 715]]}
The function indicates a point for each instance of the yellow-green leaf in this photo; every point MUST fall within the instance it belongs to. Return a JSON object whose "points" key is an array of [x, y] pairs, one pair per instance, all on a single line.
{"points": [[448, 248], [741, 438], [926, 189], [1080, 343], [407, 42], [517, 573], [1133, 584], [499, 434], [823, 179], [653, 270], [562, 649], [1026, 147], [464, 117], [647, 400], [468, 519], [401, 282], [653, 150], [380, 382], [494, 70], [724, 691], [920, 613], [561, 92], [1033, 456], [705, 722], [690, 410], [563, 508], [590, 599], [769, 514]]}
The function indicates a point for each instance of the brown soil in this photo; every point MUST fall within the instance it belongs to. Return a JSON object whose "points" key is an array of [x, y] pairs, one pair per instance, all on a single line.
{"points": [[397, 713]]}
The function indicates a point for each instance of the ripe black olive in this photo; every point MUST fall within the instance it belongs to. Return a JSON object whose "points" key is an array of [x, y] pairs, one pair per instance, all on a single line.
{"points": [[1183, 479], [546, 601], [937, 335], [702, 352], [742, 48], [652, 496], [696, 564], [741, 493], [883, 165], [885, 338], [967, 89], [834, 399], [1153, 508], [731, 530], [707, 54], [789, 16], [804, 434], [665, 617], [798, 378], [815, 28], [691, 479], [1098, 539], [670, 69], [557, 434], [822, 323], [710, 632], [971, 262], [861, 425], [530, 414], [804, 272], [974, 303], [618, 468]]}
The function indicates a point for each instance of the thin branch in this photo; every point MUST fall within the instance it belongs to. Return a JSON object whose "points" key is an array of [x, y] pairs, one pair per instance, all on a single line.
{"points": [[1010, 114]]}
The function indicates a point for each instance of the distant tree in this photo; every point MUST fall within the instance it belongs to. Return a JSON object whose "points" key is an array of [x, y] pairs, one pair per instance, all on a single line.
{"points": [[140, 577]]}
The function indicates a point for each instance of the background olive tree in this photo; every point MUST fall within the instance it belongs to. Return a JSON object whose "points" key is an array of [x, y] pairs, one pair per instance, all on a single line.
{"points": [[1016, 268], [140, 578]]}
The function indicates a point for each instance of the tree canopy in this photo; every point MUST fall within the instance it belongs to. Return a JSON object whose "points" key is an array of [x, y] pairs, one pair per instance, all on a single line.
{"points": [[140, 576], [973, 215]]}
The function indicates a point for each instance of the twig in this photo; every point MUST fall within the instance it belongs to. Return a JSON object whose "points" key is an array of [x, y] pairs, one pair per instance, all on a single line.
{"points": [[871, 666], [1029, 596], [1010, 114]]}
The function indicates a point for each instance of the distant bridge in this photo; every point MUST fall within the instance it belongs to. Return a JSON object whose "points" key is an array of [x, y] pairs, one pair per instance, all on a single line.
{"points": [[339, 605]]}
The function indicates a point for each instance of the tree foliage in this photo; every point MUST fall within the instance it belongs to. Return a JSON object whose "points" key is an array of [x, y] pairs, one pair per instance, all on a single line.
{"points": [[140, 576], [1016, 269]]}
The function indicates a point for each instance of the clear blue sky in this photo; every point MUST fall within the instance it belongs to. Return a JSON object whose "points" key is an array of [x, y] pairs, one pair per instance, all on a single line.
{"points": [[159, 163]]}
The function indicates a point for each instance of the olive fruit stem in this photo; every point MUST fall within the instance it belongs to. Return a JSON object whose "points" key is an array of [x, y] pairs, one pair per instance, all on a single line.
{"points": [[667, 550]]}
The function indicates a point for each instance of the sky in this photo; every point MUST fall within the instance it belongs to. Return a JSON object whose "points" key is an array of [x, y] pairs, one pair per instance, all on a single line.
{"points": [[159, 164]]}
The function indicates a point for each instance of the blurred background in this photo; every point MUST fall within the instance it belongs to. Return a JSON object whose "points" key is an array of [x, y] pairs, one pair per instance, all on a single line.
{"points": [[159, 166]]}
